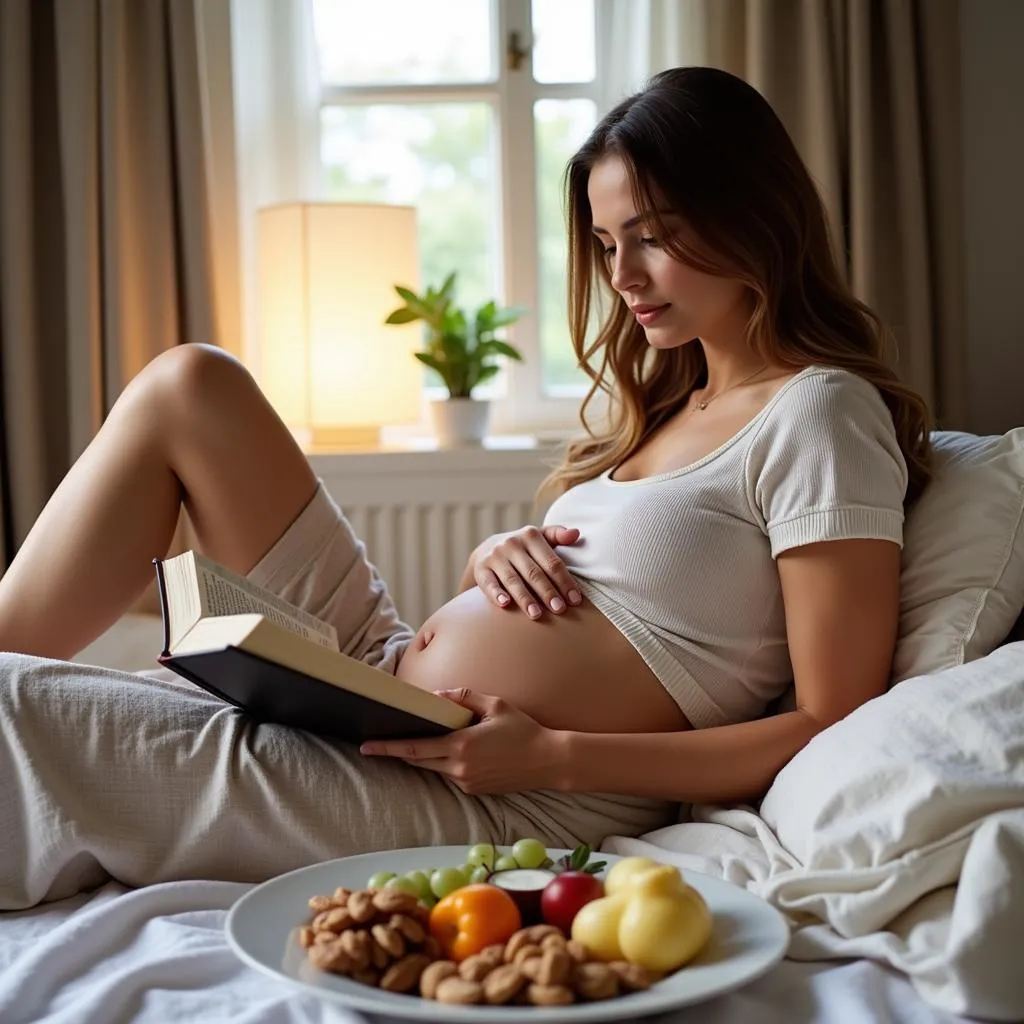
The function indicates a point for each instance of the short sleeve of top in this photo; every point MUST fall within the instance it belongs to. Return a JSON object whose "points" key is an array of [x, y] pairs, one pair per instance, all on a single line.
{"points": [[825, 465]]}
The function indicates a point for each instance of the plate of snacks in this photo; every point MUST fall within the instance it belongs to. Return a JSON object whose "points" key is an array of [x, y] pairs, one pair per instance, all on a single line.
{"points": [[493, 933]]}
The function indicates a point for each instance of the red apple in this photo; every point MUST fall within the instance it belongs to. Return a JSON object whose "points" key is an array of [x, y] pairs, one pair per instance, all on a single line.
{"points": [[565, 894]]}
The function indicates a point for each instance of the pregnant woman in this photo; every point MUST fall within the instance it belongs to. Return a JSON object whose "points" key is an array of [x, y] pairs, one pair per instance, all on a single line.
{"points": [[734, 527]]}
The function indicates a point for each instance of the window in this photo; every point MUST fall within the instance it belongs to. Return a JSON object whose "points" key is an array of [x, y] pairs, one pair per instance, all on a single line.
{"points": [[469, 110]]}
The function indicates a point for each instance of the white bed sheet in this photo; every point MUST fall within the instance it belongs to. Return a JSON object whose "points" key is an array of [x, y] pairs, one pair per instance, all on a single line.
{"points": [[158, 954]]}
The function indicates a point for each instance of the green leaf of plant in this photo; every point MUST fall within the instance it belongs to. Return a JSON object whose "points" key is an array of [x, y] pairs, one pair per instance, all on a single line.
{"points": [[475, 365], [453, 345], [448, 288], [423, 308], [429, 360], [486, 373], [485, 315], [494, 346], [403, 316], [454, 321], [503, 317], [442, 369]]}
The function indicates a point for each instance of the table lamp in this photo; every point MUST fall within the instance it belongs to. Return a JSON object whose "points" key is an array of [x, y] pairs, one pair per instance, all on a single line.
{"points": [[329, 365]]}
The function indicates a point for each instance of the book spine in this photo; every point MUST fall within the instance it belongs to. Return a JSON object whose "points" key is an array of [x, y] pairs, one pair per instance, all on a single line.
{"points": [[161, 588]]}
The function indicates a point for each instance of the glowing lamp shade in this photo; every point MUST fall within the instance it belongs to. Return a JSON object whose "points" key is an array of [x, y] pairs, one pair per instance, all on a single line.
{"points": [[329, 365]]}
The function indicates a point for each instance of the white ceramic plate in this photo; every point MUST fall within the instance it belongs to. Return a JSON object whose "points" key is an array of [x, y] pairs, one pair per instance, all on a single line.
{"points": [[749, 938]]}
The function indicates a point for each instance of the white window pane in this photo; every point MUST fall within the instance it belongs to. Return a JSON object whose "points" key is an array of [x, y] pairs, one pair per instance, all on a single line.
{"points": [[561, 127], [438, 157], [563, 40], [403, 41]]}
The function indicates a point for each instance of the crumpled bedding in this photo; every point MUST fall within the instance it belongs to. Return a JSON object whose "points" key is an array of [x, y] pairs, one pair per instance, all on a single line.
{"points": [[159, 954], [896, 835]]}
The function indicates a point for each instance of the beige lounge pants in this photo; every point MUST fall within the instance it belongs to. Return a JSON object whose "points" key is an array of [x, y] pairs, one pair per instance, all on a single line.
{"points": [[146, 778]]}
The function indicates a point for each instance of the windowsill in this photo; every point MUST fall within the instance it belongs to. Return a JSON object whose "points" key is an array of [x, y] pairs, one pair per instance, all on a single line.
{"points": [[422, 453], [513, 455], [403, 441], [493, 442]]}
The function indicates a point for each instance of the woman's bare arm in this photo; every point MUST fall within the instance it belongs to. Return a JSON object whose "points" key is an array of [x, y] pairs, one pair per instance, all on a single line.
{"points": [[842, 612]]}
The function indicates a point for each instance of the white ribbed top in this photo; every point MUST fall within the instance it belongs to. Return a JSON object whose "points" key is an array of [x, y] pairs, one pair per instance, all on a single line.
{"points": [[683, 562]]}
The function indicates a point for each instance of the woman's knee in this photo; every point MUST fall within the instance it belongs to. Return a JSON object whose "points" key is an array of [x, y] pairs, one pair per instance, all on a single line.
{"points": [[187, 382], [195, 373]]}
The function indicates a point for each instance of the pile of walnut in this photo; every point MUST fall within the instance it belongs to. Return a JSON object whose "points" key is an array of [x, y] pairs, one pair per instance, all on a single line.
{"points": [[380, 937]]}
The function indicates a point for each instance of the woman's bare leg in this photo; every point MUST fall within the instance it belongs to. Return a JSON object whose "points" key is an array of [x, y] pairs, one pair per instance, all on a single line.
{"points": [[192, 427]]}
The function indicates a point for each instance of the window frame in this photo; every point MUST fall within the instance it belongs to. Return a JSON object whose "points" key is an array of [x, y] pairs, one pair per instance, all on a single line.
{"points": [[522, 405]]}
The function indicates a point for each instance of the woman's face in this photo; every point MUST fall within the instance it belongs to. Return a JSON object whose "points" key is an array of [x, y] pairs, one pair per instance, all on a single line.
{"points": [[673, 302]]}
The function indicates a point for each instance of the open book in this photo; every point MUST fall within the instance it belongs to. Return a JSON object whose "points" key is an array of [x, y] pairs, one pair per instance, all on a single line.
{"points": [[280, 664]]}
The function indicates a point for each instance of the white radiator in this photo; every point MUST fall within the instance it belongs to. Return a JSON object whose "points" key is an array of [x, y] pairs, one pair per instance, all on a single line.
{"points": [[422, 513]]}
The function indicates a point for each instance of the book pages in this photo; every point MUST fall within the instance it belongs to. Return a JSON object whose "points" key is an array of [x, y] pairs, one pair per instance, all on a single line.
{"points": [[223, 592]]}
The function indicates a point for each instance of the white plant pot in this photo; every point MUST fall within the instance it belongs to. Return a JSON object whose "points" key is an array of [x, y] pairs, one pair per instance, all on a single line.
{"points": [[460, 422]]}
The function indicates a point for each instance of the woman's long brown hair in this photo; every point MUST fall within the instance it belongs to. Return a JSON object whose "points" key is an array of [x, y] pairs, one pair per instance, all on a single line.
{"points": [[708, 147]]}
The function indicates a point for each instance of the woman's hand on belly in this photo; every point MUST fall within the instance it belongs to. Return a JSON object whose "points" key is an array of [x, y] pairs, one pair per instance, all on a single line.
{"points": [[520, 569], [506, 751]]}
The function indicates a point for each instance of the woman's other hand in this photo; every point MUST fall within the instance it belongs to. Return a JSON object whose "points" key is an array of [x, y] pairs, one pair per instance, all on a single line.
{"points": [[521, 569], [504, 751]]}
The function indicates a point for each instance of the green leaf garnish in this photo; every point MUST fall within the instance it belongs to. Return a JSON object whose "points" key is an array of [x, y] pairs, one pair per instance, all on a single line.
{"points": [[578, 861]]}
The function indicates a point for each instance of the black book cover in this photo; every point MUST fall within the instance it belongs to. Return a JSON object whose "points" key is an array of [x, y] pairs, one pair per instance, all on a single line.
{"points": [[273, 693]]}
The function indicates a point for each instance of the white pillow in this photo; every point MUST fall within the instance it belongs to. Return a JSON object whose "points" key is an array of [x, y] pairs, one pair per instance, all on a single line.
{"points": [[927, 760], [962, 586], [906, 820]]}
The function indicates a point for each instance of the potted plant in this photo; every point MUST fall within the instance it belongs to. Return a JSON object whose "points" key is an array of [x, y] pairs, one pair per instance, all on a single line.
{"points": [[463, 351]]}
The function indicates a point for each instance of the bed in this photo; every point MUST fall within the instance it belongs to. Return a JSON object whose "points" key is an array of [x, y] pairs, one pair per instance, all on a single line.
{"points": [[893, 843], [158, 954]]}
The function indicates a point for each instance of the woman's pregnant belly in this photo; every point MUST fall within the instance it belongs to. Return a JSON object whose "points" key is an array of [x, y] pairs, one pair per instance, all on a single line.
{"points": [[571, 671]]}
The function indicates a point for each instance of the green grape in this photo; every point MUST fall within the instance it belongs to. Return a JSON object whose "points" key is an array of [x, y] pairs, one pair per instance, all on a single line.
{"points": [[483, 854], [446, 880], [529, 853], [506, 862], [421, 881], [379, 880], [479, 874], [403, 884]]}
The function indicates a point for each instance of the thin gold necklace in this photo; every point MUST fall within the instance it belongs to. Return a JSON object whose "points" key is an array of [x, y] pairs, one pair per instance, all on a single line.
{"points": [[704, 403]]}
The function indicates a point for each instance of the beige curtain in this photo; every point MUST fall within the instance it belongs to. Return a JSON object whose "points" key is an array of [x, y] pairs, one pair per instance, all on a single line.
{"points": [[870, 91], [104, 238]]}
